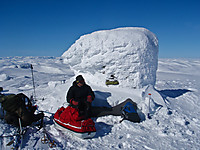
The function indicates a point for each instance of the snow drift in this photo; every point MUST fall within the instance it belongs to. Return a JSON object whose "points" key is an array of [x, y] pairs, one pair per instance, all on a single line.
{"points": [[131, 54]]}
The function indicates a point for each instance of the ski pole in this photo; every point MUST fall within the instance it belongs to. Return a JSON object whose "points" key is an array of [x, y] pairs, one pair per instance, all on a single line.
{"points": [[149, 115], [33, 82], [20, 132], [1, 89]]}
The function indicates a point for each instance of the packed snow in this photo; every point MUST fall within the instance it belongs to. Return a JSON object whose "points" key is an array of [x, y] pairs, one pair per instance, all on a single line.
{"points": [[130, 54], [176, 89]]}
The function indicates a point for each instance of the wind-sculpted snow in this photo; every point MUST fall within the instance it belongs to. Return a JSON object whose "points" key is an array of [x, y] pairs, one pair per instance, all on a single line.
{"points": [[131, 54]]}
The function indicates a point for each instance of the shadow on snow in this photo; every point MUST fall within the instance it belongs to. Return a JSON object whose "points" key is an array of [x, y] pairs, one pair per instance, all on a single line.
{"points": [[173, 93]]}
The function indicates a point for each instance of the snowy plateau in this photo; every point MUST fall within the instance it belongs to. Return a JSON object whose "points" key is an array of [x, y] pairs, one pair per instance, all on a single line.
{"points": [[173, 83], [177, 80]]}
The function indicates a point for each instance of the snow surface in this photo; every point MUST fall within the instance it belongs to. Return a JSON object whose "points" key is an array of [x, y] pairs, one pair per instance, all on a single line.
{"points": [[130, 53], [177, 83]]}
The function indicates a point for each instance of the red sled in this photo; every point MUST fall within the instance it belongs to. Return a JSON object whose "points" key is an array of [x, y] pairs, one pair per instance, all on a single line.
{"points": [[68, 120]]}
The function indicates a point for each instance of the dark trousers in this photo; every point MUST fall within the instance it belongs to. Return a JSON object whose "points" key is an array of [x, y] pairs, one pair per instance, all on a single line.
{"points": [[115, 111]]}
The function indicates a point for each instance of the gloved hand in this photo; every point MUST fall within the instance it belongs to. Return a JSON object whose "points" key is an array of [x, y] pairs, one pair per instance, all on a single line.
{"points": [[74, 102], [89, 98]]}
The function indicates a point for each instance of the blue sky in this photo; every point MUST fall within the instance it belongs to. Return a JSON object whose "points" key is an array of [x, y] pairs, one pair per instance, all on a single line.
{"points": [[50, 27]]}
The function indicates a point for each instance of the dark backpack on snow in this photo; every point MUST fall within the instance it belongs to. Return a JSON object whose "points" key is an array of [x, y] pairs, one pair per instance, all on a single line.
{"points": [[11, 103], [129, 112], [18, 106]]}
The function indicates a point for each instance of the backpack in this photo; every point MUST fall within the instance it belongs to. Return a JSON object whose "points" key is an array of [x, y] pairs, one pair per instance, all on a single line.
{"points": [[11, 103], [129, 112], [19, 106], [112, 80]]}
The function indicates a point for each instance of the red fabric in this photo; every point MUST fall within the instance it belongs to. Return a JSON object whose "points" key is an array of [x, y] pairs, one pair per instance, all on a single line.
{"points": [[71, 100], [75, 103], [89, 98], [70, 114], [69, 118]]}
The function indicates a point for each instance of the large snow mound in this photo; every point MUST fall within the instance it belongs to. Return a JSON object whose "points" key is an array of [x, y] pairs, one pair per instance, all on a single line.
{"points": [[130, 53]]}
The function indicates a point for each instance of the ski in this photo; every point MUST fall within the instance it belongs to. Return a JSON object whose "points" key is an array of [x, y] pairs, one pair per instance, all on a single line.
{"points": [[17, 140], [11, 135], [11, 142], [18, 136]]}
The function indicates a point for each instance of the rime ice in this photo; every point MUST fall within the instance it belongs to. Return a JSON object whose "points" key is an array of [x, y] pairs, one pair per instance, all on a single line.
{"points": [[131, 54]]}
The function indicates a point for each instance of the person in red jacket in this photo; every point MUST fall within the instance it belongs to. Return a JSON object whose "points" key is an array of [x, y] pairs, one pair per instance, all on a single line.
{"points": [[80, 95]]}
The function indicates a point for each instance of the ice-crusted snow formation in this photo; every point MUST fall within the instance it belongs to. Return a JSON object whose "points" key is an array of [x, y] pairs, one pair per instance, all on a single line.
{"points": [[129, 53]]}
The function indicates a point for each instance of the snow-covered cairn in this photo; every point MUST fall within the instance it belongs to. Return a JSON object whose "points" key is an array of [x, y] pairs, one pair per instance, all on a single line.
{"points": [[130, 53]]}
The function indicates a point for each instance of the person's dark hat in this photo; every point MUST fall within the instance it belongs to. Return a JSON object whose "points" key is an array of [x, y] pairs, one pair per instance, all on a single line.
{"points": [[80, 79]]}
